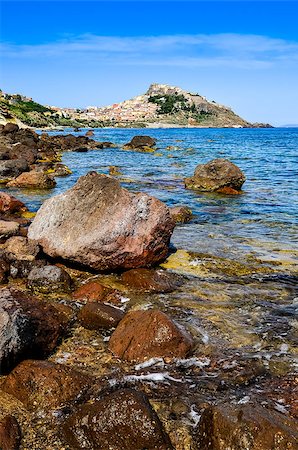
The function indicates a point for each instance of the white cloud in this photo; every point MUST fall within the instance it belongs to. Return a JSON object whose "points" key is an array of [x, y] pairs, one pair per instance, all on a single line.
{"points": [[202, 50]]}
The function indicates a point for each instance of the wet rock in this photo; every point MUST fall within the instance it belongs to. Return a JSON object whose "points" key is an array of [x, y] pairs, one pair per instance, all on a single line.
{"points": [[23, 151], [138, 142], [34, 180], [234, 427], [121, 420], [94, 316], [96, 292], [8, 228], [145, 334], [101, 225], [10, 433], [45, 385], [9, 204], [12, 168], [10, 128], [89, 133], [181, 214], [28, 328], [22, 268], [49, 279], [18, 248], [151, 280], [216, 174]]}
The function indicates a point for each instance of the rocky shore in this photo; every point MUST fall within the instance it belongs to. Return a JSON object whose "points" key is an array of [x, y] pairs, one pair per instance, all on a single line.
{"points": [[100, 320]]}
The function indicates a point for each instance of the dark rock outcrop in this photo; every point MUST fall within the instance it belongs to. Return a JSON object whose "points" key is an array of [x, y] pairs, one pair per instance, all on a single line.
{"points": [[215, 175], [146, 334], [101, 225], [45, 385], [28, 328], [12, 168], [121, 420]]}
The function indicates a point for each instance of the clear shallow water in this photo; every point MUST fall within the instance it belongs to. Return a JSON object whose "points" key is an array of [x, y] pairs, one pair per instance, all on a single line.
{"points": [[263, 221]]}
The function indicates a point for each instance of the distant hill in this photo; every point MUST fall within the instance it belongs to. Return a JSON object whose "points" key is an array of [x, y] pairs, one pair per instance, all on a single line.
{"points": [[160, 106], [170, 105]]}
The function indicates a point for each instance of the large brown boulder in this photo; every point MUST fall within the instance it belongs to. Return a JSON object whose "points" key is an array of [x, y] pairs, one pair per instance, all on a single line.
{"points": [[23, 151], [101, 225], [34, 180], [123, 420], [28, 328], [216, 175], [146, 334], [45, 385], [250, 427]]}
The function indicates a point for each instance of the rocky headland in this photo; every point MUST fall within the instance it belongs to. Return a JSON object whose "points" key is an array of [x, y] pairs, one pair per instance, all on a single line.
{"points": [[162, 106]]}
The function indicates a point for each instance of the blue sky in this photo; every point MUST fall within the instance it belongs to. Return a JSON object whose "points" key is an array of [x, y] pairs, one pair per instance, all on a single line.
{"points": [[73, 53]]}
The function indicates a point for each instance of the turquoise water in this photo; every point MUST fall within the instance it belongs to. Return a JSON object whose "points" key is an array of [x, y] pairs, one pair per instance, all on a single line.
{"points": [[263, 221]]}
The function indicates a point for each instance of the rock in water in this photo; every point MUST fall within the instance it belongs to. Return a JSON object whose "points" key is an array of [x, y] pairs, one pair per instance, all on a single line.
{"points": [[101, 225], [45, 385], [121, 420], [216, 175], [251, 427], [148, 334]]}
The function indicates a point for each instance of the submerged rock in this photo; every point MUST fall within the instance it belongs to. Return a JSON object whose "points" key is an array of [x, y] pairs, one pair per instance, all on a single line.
{"points": [[28, 328], [151, 280], [10, 433], [45, 385], [49, 279], [146, 334], [121, 420], [93, 291], [33, 179], [94, 316], [234, 427], [101, 225], [215, 175], [181, 214]]}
